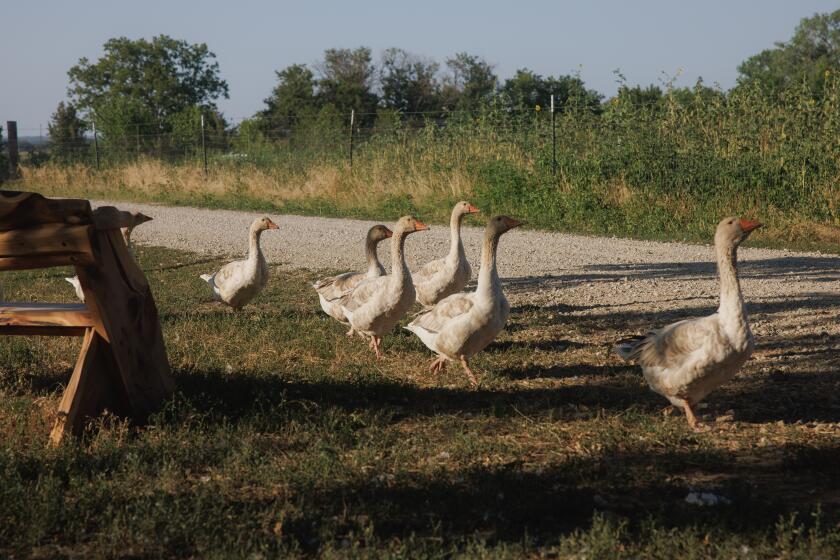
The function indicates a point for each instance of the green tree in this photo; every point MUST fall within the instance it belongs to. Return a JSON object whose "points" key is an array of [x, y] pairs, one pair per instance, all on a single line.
{"points": [[409, 83], [163, 76], [810, 56], [526, 89], [293, 95], [470, 84], [185, 136], [346, 81], [637, 97], [67, 133]]}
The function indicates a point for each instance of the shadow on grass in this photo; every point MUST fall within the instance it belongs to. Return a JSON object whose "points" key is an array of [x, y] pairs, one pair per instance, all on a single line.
{"points": [[556, 345], [510, 503], [243, 394]]}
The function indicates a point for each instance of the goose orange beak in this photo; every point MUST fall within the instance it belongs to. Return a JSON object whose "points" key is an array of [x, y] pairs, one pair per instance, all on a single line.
{"points": [[420, 226], [749, 225], [388, 233], [272, 225], [511, 223], [472, 209]]}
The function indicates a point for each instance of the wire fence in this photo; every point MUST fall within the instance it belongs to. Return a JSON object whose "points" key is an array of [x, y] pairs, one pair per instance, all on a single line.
{"points": [[785, 155]]}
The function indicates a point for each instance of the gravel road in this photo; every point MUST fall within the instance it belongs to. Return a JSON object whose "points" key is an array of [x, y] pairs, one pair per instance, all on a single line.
{"points": [[620, 279]]}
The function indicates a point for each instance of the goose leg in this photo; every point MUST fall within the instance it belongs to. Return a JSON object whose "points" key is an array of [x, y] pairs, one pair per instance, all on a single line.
{"points": [[351, 332], [375, 341], [692, 420], [468, 371], [438, 365]]}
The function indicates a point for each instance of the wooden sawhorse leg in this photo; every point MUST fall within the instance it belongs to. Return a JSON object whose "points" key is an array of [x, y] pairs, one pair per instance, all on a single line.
{"points": [[92, 388]]}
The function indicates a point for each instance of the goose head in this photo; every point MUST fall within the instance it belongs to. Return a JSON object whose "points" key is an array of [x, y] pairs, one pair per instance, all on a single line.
{"points": [[463, 208], [409, 224], [378, 233], [262, 224], [732, 231], [497, 225]]}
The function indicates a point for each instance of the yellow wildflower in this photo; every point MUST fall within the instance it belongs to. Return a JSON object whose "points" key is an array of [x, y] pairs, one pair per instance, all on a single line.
{"points": [[537, 108]]}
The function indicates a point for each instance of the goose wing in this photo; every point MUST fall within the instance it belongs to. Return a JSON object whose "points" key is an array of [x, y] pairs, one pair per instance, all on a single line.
{"points": [[428, 271], [228, 273], [673, 344], [444, 311], [364, 292], [336, 287]]}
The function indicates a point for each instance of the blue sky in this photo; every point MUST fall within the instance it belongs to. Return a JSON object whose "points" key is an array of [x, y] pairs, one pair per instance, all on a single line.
{"points": [[43, 39]]}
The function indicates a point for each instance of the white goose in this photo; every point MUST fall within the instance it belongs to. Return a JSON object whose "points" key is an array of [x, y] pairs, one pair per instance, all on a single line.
{"points": [[377, 304], [238, 282], [687, 360], [462, 325], [331, 290], [136, 219], [443, 277]]}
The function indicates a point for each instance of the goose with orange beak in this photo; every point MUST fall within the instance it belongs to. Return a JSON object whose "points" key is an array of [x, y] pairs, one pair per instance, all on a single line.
{"points": [[461, 325], [376, 305], [687, 360], [450, 275], [237, 283]]}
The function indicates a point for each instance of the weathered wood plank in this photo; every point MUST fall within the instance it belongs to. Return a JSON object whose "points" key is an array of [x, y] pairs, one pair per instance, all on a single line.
{"points": [[26, 209], [109, 217], [122, 305], [47, 239], [8, 330], [45, 261], [45, 315]]}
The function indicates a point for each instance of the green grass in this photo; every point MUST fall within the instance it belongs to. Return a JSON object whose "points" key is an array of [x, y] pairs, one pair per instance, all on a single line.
{"points": [[287, 439]]}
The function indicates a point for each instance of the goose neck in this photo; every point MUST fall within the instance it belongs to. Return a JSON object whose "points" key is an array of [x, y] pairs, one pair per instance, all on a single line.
{"points": [[731, 298], [488, 277], [399, 268], [456, 247], [374, 267], [254, 244]]}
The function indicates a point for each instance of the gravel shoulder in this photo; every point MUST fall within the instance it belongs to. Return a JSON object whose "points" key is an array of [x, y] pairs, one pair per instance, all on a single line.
{"points": [[639, 283]]}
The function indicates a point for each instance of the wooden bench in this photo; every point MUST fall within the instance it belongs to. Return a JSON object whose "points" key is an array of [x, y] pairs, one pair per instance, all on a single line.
{"points": [[123, 365]]}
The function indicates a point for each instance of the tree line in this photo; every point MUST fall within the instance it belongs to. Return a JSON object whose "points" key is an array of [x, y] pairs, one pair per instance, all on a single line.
{"points": [[140, 90]]}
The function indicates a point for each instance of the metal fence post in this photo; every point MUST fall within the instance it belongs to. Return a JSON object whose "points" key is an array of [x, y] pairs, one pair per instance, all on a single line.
{"points": [[95, 145], [352, 121], [203, 144], [553, 141]]}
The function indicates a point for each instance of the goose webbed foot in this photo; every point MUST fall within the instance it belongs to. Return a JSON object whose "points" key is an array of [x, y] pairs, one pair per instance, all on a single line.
{"points": [[438, 365], [469, 372]]}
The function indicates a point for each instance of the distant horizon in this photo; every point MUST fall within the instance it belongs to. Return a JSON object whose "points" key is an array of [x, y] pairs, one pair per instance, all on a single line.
{"points": [[649, 42]]}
